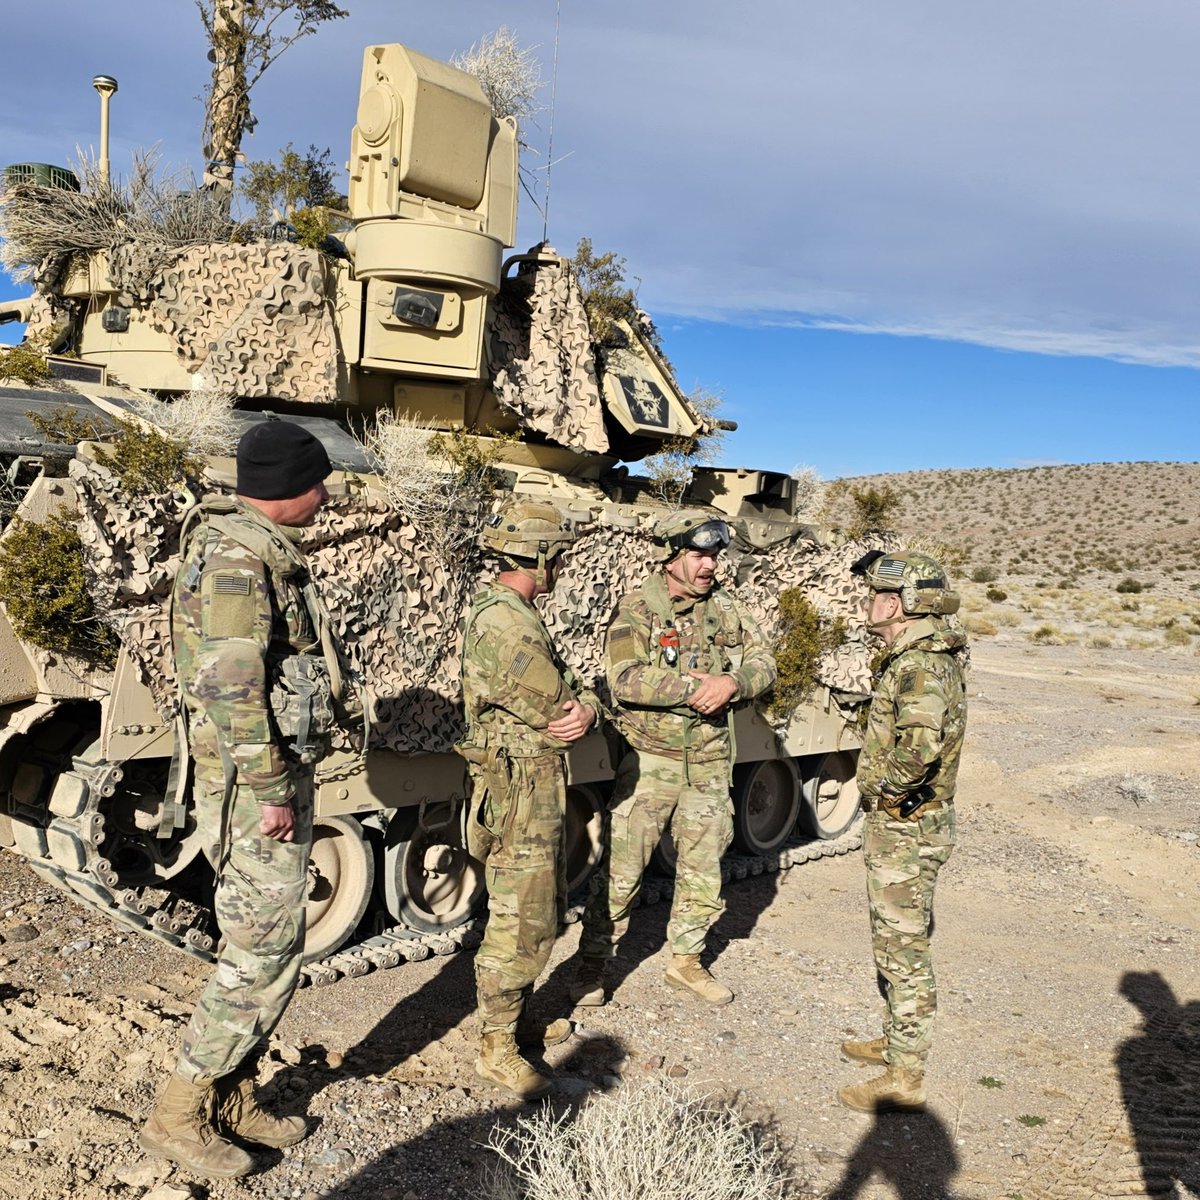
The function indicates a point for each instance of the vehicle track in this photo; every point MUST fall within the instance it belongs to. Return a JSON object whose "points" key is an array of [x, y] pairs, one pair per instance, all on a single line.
{"points": [[67, 854]]}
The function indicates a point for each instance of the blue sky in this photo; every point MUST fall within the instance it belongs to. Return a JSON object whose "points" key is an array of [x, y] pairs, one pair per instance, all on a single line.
{"points": [[979, 220]]}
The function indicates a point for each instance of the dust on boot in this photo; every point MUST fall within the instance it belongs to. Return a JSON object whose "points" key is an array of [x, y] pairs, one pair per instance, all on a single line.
{"points": [[500, 1063], [239, 1112], [182, 1128], [686, 973], [896, 1090]]}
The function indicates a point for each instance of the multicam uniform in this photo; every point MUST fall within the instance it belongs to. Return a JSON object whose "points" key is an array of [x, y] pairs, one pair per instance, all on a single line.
{"points": [[514, 685], [680, 761], [239, 611], [912, 746]]}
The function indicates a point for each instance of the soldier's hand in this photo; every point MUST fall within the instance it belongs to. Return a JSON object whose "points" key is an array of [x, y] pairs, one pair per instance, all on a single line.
{"points": [[576, 720], [713, 694], [277, 821]]}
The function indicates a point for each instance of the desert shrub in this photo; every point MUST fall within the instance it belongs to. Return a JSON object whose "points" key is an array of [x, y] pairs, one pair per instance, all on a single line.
{"points": [[984, 575], [1099, 641], [44, 587], [996, 595], [68, 426], [147, 462], [653, 1138], [606, 296], [873, 508], [1176, 636], [1130, 585], [1046, 635], [980, 626], [1130, 606], [805, 634], [26, 363]]}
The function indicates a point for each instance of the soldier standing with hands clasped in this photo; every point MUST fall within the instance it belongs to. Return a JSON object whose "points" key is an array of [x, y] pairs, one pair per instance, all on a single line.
{"points": [[680, 652], [247, 627], [524, 709], [906, 774]]}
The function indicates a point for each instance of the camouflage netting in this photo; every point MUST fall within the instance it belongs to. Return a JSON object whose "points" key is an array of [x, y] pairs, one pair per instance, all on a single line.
{"points": [[400, 612], [541, 350], [253, 319]]}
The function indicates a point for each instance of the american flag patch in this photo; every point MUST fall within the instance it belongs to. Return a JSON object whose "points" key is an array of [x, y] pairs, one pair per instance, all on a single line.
{"points": [[520, 663], [889, 568], [231, 585]]}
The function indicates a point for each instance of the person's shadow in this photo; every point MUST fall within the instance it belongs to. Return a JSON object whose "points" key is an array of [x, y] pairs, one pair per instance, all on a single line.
{"points": [[1160, 1083], [911, 1151]]}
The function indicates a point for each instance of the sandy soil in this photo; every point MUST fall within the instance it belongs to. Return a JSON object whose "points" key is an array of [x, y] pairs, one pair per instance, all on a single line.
{"points": [[1065, 1063]]}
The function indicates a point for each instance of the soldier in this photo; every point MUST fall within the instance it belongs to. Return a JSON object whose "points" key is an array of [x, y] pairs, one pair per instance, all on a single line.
{"points": [[524, 709], [906, 774], [680, 652], [249, 635]]}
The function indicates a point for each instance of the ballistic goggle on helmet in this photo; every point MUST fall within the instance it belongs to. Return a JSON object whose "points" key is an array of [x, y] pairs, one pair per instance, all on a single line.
{"points": [[693, 529], [527, 529], [920, 580]]}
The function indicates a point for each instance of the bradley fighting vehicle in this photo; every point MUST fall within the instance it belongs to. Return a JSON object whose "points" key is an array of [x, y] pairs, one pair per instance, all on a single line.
{"points": [[421, 313]]}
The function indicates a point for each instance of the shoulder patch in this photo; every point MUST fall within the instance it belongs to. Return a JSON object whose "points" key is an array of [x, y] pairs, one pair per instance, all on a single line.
{"points": [[229, 583], [231, 605], [620, 633], [912, 679], [520, 663]]}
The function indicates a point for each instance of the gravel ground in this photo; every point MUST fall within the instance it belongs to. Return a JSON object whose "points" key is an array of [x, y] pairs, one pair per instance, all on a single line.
{"points": [[1065, 1057]]}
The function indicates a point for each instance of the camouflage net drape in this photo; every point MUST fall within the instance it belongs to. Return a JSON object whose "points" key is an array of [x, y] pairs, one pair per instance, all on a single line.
{"points": [[400, 612], [540, 346], [253, 319]]}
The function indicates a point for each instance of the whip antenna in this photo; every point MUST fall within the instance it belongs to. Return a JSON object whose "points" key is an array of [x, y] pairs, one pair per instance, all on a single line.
{"points": [[550, 141]]}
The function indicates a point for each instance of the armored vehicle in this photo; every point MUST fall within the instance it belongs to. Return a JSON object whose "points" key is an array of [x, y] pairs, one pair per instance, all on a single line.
{"points": [[417, 313]]}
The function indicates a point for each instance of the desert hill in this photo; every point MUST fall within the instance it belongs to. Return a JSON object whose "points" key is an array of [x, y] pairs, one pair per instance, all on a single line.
{"points": [[1103, 551]]}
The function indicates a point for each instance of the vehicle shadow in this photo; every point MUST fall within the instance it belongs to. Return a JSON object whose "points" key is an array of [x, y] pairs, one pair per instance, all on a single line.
{"points": [[913, 1152], [1159, 1070]]}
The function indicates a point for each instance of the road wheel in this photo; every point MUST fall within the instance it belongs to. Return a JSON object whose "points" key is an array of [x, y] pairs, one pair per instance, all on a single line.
{"points": [[582, 834], [766, 801], [430, 882], [341, 873], [830, 794]]}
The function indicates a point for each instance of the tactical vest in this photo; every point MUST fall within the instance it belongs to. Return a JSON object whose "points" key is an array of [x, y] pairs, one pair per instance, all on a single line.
{"points": [[307, 689]]}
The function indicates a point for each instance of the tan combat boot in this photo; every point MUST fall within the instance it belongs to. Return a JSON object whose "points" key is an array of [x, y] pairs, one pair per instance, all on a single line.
{"points": [[587, 988], [868, 1052], [239, 1113], [500, 1063], [532, 1032], [686, 973], [181, 1128], [896, 1090]]}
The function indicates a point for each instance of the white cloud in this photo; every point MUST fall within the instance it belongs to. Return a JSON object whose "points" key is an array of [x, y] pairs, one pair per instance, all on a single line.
{"points": [[1015, 174]]}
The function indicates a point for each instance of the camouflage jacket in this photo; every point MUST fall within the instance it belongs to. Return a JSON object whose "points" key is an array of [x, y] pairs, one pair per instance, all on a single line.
{"points": [[651, 644], [514, 683], [918, 715], [234, 619]]}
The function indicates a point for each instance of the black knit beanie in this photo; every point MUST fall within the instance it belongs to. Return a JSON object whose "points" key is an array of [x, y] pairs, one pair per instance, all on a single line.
{"points": [[277, 460]]}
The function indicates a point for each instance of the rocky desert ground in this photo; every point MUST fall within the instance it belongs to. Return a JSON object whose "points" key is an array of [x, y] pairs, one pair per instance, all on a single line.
{"points": [[1067, 1055]]}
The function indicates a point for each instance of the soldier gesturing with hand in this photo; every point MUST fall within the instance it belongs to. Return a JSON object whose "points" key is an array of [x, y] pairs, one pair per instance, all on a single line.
{"points": [[679, 653]]}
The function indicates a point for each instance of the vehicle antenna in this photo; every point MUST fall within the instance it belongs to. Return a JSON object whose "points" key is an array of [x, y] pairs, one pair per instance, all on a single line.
{"points": [[550, 141]]}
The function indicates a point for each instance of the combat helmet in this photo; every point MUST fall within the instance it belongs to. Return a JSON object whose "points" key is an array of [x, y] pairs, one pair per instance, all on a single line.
{"points": [[533, 530], [693, 529], [920, 580]]}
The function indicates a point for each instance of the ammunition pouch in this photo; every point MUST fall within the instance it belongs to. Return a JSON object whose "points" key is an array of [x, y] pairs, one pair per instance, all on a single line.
{"points": [[301, 700]]}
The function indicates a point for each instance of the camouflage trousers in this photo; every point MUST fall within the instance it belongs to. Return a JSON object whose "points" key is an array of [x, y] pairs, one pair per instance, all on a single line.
{"points": [[648, 792], [518, 837], [903, 859], [261, 886]]}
